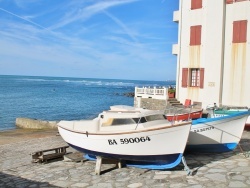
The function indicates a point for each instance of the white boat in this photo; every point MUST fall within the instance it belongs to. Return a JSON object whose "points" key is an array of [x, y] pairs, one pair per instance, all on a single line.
{"points": [[227, 110], [128, 133], [215, 111], [219, 134]]}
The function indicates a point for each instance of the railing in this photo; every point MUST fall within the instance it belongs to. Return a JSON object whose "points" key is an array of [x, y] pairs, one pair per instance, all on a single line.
{"points": [[155, 93]]}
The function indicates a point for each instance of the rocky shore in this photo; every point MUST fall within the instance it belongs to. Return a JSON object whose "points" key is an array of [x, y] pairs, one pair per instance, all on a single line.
{"points": [[230, 169], [29, 123]]}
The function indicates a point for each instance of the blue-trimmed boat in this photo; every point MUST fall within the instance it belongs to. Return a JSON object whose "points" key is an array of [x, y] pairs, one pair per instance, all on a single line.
{"points": [[214, 111], [219, 134]]}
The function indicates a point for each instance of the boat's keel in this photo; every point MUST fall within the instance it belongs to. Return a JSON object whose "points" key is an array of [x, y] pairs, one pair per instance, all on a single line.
{"points": [[211, 148]]}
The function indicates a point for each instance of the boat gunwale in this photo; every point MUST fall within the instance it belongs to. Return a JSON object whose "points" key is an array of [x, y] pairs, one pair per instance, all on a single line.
{"points": [[129, 132], [228, 118], [184, 113]]}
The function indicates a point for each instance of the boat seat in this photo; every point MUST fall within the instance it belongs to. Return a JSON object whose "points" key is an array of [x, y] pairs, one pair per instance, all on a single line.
{"points": [[187, 103], [197, 105], [108, 122]]}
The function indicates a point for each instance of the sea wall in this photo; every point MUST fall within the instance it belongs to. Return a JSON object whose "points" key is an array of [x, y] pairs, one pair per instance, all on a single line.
{"points": [[28, 123]]}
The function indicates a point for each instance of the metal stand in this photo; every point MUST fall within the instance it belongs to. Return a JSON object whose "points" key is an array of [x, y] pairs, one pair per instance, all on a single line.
{"points": [[189, 172]]}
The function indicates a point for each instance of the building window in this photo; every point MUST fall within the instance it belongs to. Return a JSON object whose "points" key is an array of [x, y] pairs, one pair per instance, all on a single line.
{"points": [[195, 35], [196, 4], [196, 77], [240, 31]]}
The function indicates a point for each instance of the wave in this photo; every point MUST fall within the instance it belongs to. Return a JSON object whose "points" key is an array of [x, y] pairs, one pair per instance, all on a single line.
{"points": [[84, 82], [97, 82]]}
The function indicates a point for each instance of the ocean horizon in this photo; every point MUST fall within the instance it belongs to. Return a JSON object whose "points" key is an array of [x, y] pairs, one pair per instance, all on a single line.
{"points": [[63, 98]]}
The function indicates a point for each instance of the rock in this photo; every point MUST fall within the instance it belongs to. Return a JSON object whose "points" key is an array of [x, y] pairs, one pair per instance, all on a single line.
{"points": [[28, 123], [129, 94]]}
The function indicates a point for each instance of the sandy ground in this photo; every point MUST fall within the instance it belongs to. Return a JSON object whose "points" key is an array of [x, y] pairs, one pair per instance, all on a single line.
{"points": [[17, 135]]}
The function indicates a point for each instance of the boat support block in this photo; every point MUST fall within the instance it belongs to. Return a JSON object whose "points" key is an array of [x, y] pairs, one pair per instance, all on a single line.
{"points": [[99, 164], [189, 172]]}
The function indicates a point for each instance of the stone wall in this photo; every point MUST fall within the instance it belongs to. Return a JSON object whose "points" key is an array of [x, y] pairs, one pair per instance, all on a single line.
{"points": [[149, 103], [35, 124]]}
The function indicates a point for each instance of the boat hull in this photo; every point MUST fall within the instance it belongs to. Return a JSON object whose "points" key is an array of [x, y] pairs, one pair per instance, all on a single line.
{"points": [[247, 126], [145, 165], [220, 134], [221, 113], [145, 146]]}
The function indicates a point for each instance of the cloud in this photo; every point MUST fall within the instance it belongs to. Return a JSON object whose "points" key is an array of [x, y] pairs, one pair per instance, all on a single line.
{"points": [[25, 19], [23, 4], [110, 45], [122, 25], [89, 11]]}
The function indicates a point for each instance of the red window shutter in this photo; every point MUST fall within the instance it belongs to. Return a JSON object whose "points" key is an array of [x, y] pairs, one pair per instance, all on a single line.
{"points": [[243, 31], [192, 35], [236, 31], [233, 1], [195, 35], [230, 1], [202, 77], [196, 4], [240, 31], [198, 35], [184, 77]]}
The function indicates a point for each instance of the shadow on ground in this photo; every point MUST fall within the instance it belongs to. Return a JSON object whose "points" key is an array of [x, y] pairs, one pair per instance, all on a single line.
{"points": [[196, 160], [7, 180]]}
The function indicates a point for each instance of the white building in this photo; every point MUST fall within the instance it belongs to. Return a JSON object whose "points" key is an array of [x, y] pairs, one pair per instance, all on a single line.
{"points": [[213, 52]]}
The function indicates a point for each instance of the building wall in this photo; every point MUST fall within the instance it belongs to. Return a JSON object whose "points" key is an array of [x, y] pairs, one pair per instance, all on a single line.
{"points": [[216, 53], [236, 87]]}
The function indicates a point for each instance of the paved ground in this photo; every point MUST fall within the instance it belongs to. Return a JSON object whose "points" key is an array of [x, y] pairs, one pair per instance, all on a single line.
{"points": [[209, 170]]}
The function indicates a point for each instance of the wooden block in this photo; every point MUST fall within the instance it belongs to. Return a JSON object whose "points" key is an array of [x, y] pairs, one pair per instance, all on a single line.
{"points": [[119, 164], [45, 155], [98, 165]]}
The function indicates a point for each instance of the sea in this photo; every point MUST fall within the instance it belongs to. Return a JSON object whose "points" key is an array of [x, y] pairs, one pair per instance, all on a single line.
{"points": [[63, 98]]}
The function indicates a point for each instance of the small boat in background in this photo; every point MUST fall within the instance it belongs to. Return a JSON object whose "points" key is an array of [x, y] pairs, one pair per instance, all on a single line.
{"points": [[218, 134], [182, 114], [215, 111], [131, 134]]}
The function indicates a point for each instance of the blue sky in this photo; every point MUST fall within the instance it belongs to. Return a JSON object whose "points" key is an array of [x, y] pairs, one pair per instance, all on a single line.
{"points": [[118, 39]]}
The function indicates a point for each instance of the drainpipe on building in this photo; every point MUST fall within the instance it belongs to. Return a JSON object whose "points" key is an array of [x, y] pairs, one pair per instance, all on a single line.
{"points": [[222, 54], [179, 52]]}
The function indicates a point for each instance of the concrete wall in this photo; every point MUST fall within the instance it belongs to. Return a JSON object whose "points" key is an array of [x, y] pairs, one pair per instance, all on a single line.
{"points": [[149, 103], [28, 123], [227, 65], [207, 55], [236, 88]]}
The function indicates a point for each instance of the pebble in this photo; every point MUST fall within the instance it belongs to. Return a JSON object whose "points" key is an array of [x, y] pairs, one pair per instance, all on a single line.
{"points": [[230, 169]]}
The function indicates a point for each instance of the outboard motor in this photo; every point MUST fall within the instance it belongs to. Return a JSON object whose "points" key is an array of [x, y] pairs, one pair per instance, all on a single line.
{"points": [[210, 108]]}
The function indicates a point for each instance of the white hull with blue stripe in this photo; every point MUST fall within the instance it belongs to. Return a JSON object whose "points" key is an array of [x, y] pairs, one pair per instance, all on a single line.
{"points": [[149, 139], [219, 134]]}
